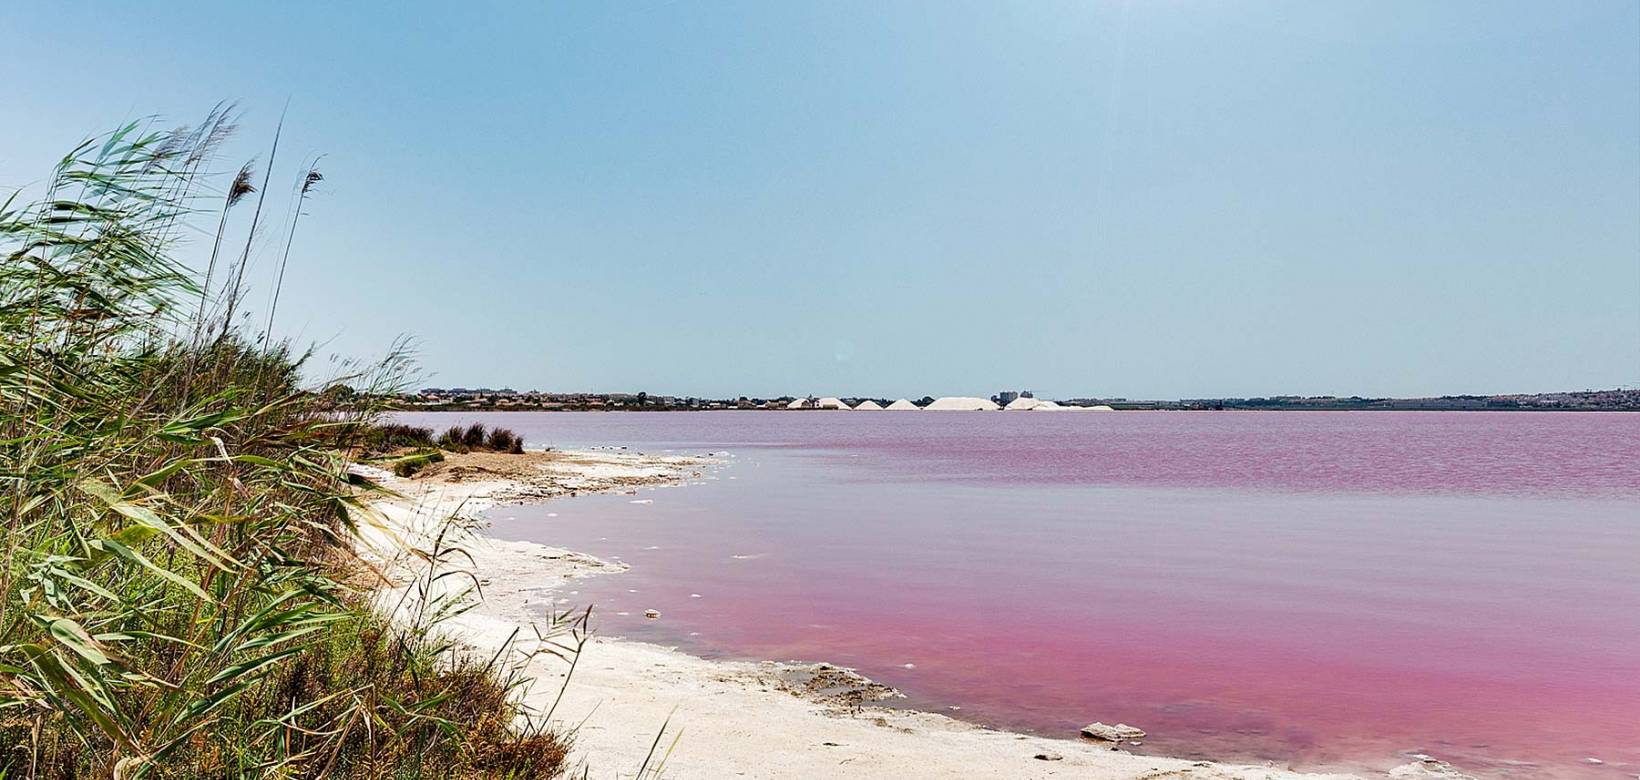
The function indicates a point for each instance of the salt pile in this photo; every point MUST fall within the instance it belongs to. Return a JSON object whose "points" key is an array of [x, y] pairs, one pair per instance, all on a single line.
{"points": [[959, 403], [868, 406], [1034, 405], [902, 405]]}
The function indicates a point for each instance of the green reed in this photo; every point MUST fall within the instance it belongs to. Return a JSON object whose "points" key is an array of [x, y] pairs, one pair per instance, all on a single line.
{"points": [[179, 595]]}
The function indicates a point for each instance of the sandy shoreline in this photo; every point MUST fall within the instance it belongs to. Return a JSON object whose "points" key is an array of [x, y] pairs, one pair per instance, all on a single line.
{"points": [[727, 719]]}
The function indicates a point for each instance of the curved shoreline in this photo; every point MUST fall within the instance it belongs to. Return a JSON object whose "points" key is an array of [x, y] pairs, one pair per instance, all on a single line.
{"points": [[725, 718]]}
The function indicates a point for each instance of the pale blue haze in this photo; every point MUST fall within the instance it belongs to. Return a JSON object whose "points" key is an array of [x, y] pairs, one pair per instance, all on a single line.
{"points": [[1147, 199]]}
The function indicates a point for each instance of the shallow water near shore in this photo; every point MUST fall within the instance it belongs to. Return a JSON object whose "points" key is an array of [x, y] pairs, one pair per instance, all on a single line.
{"points": [[1314, 589]]}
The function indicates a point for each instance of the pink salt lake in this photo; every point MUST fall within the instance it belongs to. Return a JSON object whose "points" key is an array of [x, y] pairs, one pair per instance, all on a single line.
{"points": [[1321, 590]]}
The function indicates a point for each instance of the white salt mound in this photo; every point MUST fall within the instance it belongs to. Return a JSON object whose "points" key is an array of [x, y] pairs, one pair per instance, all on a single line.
{"points": [[868, 406], [830, 403], [1022, 404], [902, 405], [801, 403], [959, 403]]}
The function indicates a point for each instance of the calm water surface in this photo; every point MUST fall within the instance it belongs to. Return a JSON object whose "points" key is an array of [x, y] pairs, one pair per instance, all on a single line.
{"points": [[1316, 589]]}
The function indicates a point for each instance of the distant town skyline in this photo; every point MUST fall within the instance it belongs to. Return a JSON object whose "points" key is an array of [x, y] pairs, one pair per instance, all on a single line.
{"points": [[1149, 200], [504, 398]]}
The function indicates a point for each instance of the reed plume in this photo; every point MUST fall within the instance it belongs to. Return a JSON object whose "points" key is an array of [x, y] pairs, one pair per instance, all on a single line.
{"points": [[250, 236], [237, 190]]}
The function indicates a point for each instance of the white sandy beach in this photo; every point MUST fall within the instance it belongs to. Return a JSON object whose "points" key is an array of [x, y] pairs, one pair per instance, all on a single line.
{"points": [[727, 719]]}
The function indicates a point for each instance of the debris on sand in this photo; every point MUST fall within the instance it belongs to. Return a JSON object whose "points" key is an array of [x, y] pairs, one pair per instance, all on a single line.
{"points": [[830, 685]]}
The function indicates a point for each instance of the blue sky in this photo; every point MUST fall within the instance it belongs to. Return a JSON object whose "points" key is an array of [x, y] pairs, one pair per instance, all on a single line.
{"points": [[1147, 199]]}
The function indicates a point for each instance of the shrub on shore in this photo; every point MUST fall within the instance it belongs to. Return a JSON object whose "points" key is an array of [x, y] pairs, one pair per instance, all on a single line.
{"points": [[177, 520], [475, 438], [451, 438], [388, 437], [504, 440]]}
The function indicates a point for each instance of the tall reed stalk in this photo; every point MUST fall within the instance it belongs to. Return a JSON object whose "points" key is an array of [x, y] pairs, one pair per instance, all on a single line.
{"points": [[309, 179]]}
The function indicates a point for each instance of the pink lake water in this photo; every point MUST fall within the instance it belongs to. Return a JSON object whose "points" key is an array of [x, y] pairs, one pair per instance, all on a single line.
{"points": [[1313, 589]]}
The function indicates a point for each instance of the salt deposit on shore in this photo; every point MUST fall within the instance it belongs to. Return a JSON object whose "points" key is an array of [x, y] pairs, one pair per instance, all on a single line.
{"points": [[818, 403], [947, 404], [748, 719], [959, 403], [1034, 405]]}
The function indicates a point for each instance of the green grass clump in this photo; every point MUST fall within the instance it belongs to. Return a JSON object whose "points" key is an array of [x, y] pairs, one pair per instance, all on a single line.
{"points": [[177, 517], [410, 463]]}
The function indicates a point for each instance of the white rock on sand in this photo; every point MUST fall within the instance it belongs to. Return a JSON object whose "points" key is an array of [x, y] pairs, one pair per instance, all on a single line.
{"points": [[960, 403], [1117, 733], [735, 718], [1427, 768]]}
